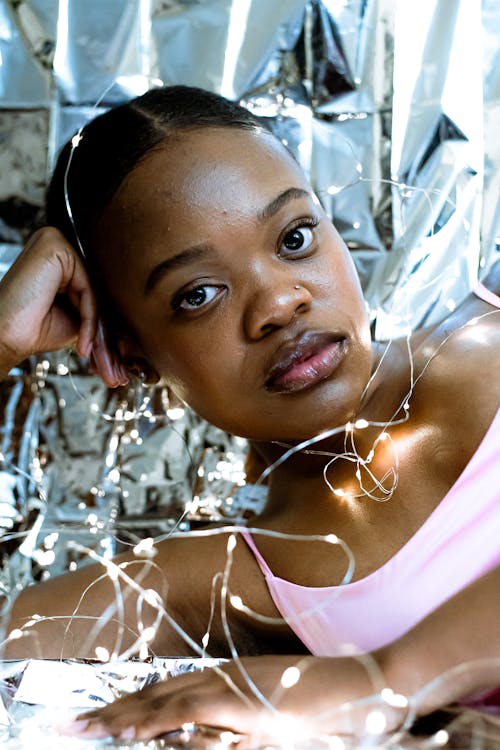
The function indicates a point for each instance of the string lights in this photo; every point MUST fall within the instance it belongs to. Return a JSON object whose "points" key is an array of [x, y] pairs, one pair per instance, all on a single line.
{"points": [[144, 631], [376, 719]]}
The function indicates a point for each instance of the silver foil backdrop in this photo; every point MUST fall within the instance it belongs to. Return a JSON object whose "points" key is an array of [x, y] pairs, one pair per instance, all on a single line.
{"points": [[391, 108]]}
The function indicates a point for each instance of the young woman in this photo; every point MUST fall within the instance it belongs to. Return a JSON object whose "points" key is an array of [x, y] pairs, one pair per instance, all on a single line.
{"points": [[184, 230]]}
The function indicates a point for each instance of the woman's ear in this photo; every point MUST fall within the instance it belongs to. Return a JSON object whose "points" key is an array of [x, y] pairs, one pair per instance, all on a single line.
{"points": [[115, 363], [140, 368], [134, 363]]}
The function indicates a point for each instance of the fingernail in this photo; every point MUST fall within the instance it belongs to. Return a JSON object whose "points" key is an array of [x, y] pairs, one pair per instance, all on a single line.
{"points": [[99, 335], [124, 375], [74, 727], [128, 734]]}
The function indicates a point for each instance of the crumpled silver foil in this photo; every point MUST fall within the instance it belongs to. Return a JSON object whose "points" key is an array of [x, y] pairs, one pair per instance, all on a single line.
{"points": [[23, 82], [30, 714], [85, 467], [437, 166], [235, 41], [391, 107]]}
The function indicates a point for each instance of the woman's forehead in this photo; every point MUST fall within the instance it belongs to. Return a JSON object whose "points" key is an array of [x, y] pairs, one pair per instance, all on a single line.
{"points": [[221, 168]]}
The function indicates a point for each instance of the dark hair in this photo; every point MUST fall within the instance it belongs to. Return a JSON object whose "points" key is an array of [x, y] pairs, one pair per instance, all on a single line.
{"points": [[113, 143]]}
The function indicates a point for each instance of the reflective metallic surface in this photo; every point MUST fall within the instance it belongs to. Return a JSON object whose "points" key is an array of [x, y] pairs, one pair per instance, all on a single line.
{"points": [[392, 108]]}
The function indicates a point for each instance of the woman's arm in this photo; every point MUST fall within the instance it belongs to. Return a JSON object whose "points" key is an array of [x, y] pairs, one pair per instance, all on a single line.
{"points": [[466, 628], [109, 605], [328, 694], [96, 606]]}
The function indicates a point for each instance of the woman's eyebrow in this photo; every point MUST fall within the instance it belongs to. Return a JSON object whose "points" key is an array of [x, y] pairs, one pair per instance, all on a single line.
{"points": [[184, 258], [281, 200]]}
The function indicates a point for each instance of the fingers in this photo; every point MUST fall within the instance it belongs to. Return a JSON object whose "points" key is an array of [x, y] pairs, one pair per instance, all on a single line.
{"points": [[33, 294], [34, 316], [88, 325], [83, 299], [174, 706], [91, 341], [105, 363]]}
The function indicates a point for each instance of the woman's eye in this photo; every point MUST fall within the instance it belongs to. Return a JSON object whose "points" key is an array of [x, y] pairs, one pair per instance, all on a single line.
{"points": [[195, 298], [296, 241]]}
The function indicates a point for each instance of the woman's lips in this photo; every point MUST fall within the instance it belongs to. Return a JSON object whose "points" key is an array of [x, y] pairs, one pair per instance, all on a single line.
{"points": [[307, 368]]}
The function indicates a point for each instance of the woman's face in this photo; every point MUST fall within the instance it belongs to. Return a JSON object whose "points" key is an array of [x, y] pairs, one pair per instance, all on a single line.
{"points": [[236, 286]]}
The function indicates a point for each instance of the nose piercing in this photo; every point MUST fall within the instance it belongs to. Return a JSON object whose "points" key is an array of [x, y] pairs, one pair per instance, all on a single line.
{"points": [[297, 286]]}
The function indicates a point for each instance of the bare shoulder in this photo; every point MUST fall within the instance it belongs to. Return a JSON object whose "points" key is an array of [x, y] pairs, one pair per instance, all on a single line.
{"points": [[467, 341], [205, 569], [193, 562], [211, 569], [457, 365], [474, 324]]}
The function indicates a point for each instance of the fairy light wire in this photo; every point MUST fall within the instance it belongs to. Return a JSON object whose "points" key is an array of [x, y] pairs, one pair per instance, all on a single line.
{"points": [[75, 142], [295, 448], [350, 454], [308, 442], [231, 544], [216, 580]]}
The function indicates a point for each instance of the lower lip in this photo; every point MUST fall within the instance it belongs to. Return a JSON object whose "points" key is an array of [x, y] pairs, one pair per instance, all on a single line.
{"points": [[311, 371]]}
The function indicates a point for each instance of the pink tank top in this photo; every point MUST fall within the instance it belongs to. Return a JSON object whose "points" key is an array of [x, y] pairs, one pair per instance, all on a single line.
{"points": [[457, 544]]}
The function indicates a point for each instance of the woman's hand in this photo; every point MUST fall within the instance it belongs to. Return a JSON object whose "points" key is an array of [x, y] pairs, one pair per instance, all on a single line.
{"points": [[301, 696], [47, 303]]}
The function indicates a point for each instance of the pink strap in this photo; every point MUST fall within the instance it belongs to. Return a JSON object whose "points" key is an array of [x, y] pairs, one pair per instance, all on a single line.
{"points": [[485, 294], [262, 563]]}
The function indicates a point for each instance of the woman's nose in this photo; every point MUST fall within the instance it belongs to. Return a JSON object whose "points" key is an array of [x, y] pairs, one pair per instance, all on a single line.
{"points": [[273, 307]]}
